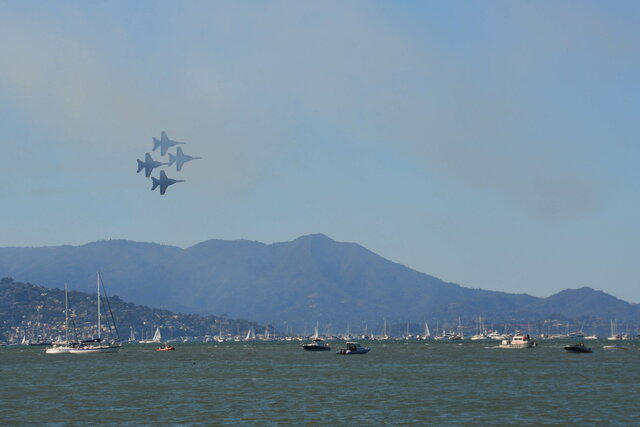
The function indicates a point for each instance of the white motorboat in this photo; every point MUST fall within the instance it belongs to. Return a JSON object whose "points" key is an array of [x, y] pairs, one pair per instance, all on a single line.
{"points": [[518, 341], [497, 336], [479, 337], [353, 348]]}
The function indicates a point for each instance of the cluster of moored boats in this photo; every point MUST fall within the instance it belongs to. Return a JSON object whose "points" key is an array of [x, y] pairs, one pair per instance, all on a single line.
{"points": [[112, 345], [515, 341]]}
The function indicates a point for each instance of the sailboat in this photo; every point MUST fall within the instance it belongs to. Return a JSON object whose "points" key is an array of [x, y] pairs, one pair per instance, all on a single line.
{"points": [[157, 337], [427, 332], [251, 335], [36, 333], [267, 336], [112, 346], [482, 332], [615, 336], [65, 346]]}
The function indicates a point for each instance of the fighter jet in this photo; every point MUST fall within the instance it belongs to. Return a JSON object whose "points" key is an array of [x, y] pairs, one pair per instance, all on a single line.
{"points": [[180, 159], [148, 165], [163, 182], [164, 143]]}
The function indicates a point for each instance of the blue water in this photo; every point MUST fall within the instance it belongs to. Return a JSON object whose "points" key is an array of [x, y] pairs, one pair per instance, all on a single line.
{"points": [[437, 383]]}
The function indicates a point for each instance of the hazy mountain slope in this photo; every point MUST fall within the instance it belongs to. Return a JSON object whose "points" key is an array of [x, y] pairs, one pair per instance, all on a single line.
{"points": [[311, 278], [574, 303]]}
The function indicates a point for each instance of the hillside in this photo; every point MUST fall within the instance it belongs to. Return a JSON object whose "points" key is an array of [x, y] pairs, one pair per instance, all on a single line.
{"points": [[311, 278], [37, 312]]}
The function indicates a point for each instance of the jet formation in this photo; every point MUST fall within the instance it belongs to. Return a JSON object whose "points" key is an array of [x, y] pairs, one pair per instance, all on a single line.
{"points": [[179, 159]]}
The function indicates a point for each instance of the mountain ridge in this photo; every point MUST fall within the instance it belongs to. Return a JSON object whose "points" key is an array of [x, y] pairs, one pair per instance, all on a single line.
{"points": [[309, 278]]}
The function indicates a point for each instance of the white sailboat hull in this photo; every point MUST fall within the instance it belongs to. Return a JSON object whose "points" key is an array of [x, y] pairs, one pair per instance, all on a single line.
{"points": [[95, 349], [59, 350]]}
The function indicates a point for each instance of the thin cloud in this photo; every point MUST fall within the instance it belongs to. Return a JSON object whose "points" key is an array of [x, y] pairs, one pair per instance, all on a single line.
{"points": [[235, 80]]}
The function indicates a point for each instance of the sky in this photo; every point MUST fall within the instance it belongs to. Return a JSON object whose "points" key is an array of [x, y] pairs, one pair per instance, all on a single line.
{"points": [[491, 144]]}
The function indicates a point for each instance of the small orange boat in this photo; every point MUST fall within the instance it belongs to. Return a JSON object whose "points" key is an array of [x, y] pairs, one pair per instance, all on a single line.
{"points": [[166, 348]]}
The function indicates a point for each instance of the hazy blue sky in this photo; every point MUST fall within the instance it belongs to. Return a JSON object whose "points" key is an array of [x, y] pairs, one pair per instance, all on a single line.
{"points": [[493, 144]]}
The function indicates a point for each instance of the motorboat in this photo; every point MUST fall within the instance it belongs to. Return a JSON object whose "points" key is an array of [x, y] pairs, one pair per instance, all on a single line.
{"points": [[577, 348], [480, 337], [353, 348], [317, 344], [165, 347], [497, 336], [518, 341]]}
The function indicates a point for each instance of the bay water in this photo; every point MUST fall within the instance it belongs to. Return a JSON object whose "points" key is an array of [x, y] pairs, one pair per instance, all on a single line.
{"points": [[277, 383]]}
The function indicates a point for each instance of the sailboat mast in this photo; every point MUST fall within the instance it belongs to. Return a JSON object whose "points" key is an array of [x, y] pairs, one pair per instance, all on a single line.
{"points": [[66, 315], [98, 306]]}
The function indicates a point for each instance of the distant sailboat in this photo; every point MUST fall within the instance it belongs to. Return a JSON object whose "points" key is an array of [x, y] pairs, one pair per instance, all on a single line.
{"points": [[65, 346], [157, 337], [112, 346], [427, 332], [267, 337], [251, 335], [132, 335], [615, 336], [482, 333]]}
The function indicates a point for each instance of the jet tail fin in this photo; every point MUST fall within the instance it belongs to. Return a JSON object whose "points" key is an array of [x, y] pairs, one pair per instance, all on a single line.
{"points": [[156, 182], [156, 143], [140, 165], [172, 159]]}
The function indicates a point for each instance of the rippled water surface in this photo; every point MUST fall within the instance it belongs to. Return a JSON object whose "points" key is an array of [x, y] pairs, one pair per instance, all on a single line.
{"points": [[278, 383]]}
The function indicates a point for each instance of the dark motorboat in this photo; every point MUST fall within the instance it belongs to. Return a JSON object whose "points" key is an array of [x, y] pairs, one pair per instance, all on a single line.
{"points": [[318, 344], [353, 348], [577, 348]]}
